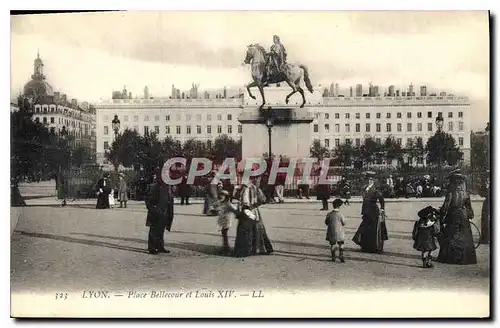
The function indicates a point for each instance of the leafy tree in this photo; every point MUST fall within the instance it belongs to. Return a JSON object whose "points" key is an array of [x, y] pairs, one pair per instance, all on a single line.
{"points": [[195, 148], [150, 154], [441, 148], [344, 154], [368, 150], [479, 150], [392, 150], [34, 151], [80, 155], [319, 151], [414, 149], [170, 148], [226, 147], [126, 149]]}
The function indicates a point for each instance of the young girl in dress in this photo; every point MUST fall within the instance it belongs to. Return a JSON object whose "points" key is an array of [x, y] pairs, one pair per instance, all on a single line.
{"points": [[111, 199], [425, 232], [335, 223], [227, 212]]}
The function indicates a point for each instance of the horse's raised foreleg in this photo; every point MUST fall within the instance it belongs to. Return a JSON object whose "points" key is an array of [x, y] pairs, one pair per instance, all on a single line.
{"points": [[251, 85], [294, 89], [261, 89], [301, 91]]}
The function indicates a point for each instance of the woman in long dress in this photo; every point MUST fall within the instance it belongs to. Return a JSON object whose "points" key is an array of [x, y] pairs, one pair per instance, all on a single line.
{"points": [[372, 231], [103, 191], [456, 242], [251, 235], [485, 211]]}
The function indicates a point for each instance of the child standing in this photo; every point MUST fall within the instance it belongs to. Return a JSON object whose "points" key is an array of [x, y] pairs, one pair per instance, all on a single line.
{"points": [[425, 232], [227, 212], [335, 223]]}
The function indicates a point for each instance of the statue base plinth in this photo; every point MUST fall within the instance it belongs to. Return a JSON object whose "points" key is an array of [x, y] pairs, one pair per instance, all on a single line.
{"points": [[290, 133]]}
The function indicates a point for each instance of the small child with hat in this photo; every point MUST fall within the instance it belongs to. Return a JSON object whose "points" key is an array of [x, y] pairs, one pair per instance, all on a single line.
{"points": [[425, 232], [335, 235], [227, 212]]}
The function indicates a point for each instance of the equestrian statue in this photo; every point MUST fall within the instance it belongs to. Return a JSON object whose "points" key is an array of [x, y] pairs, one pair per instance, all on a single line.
{"points": [[272, 68]]}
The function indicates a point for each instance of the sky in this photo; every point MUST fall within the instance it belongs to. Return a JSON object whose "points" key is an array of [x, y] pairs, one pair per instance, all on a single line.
{"points": [[87, 56]]}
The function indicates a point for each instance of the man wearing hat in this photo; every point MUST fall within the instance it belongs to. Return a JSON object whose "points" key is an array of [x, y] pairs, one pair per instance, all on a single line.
{"points": [[122, 191]]}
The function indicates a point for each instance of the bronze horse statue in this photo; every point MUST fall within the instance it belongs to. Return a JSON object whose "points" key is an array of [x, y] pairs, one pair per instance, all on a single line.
{"points": [[289, 73]]}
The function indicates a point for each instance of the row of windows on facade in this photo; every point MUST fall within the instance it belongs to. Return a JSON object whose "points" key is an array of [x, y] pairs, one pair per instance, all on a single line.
{"points": [[387, 115], [63, 111], [178, 129], [379, 140], [62, 121], [74, 133], [388, 127], [198, 117]]}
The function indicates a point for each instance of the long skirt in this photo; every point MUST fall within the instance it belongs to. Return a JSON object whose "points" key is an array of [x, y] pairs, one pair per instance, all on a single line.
{"points": [[371, 234], [262, 244], [456, 245], [245, 236], [102, 201], [485, 221]]}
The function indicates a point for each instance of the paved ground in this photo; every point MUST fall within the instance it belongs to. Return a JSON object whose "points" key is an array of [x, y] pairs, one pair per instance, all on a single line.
{"points": [[71, 248]]}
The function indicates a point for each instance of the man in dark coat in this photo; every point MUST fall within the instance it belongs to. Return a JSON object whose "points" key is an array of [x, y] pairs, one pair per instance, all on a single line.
{"points": [[184, 190], [323, 193], [160, 204]]}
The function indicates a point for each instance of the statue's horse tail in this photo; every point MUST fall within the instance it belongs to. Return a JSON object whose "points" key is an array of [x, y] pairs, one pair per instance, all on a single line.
{"points": [[306, 78]]}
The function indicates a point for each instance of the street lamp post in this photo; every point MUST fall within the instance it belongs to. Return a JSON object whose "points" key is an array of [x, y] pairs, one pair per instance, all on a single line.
{"points": [[115, 123], [61, 178], [269, 124], [439, 125]]}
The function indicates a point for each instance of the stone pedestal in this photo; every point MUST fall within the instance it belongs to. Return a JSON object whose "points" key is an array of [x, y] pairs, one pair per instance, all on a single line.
{"points": [[290, 136]]}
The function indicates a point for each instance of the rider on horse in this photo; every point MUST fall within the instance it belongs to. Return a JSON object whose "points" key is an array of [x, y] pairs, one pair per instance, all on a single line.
{"points": [[277, 55]]}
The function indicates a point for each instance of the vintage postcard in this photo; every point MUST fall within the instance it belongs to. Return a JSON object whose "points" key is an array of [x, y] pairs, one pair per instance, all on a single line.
{"points": [[249, 164]]}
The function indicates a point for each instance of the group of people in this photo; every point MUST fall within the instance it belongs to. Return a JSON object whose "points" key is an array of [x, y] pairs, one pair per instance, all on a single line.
{"points": [[449, 226], [251, 236], [105, 192], [424, 186]]}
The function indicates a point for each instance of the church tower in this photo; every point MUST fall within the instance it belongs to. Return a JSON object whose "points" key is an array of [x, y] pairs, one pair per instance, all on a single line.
{"points": [[38, 68]]}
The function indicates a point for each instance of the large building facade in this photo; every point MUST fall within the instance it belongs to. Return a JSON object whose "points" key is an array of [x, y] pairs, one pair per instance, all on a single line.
{"points": [[182, 119], [337, 120], [353, 119], [58, 113]]}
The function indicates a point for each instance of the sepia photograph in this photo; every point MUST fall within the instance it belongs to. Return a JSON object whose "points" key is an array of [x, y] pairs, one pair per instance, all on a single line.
{"points": [[250, 164]]}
